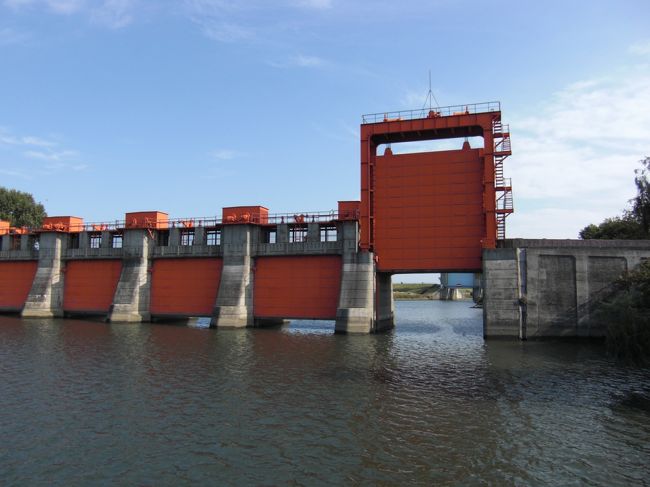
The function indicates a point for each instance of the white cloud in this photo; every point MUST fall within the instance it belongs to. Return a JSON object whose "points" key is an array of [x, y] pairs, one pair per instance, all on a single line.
{"points": [[220, 20], [314, 4], [413, 99], [225, 31], [65, 7], [10, 36], [308, 61], [641, 48], [14, 173], [7, 138], [31, 155], [234, 20], [216, 19], [56, 166], [51, 155], [550, 222], [226, 154], [573, 160], [112, 13], [301, 61], [115, 13], [37, 141]]}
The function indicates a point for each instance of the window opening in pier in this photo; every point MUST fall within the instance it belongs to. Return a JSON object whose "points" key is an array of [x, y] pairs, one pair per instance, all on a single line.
{"points": [[117, 241], [437, 145], [73, 241], [15, 242], [34, 242], [297, 233], [95, 240], [187, 237], [328, 233], [213, 237], [269, 235], [162, 239]]}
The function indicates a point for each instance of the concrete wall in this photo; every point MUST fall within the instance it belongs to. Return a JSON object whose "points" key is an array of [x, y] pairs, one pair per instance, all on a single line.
{"points": [[547, 288], [501, 298]]}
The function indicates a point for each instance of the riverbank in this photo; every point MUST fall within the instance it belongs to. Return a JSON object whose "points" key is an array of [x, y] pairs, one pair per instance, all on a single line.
{"points": [[421, 291]]}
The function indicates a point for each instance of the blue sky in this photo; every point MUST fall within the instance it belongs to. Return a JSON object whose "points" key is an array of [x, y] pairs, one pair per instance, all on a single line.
{"points": [[187, 106]]}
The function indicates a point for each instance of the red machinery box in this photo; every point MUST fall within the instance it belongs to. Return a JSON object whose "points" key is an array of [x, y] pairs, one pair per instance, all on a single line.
{"points": [[147, 219], [246, 214], [349, 210], [62, 224]]}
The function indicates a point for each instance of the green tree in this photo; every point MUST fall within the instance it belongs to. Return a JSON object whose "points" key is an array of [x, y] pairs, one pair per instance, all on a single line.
{"points": [[614, 228], [625, 315], [641, 203], [634, 224], [20, 208]]}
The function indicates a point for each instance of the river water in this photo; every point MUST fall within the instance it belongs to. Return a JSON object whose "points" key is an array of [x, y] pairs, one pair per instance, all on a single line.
{"points": [[432, 403]]}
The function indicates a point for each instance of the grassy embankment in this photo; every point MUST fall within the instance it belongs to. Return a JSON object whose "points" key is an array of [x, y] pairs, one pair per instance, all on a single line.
{"points": [[415, 291]]}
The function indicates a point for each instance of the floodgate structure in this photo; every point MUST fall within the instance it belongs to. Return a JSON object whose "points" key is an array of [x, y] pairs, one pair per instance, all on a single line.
{"points": [[437, 211]]}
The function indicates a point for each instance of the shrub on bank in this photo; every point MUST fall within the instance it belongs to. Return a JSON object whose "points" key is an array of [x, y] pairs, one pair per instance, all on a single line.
{"points": [[626, 317]]}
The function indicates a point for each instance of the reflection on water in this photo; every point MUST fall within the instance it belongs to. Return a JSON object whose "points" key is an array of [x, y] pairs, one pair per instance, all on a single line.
{"points": [[432, 402]]}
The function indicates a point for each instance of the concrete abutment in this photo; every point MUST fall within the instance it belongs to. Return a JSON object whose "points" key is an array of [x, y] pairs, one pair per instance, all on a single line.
{"points": [[549, 288]]}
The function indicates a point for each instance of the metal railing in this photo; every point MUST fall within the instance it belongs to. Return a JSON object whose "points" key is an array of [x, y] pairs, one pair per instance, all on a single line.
{"points": [[467, 109], [87, 252], [303, 217], [500, 182], [19, 254], [505, 202], [499, 128], [191, 222], [503, 145]]}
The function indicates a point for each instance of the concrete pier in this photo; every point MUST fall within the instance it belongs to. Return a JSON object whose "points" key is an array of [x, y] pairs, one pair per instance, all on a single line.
{"points": [[132, 296], [45, 298], [355, 310], [385, 319], [234, 306]]}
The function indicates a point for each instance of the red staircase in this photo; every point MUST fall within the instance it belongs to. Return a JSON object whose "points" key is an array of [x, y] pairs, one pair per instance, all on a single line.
{"points": [[502, 185]]}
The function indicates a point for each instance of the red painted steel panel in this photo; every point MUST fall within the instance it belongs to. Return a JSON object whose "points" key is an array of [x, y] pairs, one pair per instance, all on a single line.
{"points": [[15, 282], [429, 211], [409, 190], [186, 287], [90, 284], [297, 287]]}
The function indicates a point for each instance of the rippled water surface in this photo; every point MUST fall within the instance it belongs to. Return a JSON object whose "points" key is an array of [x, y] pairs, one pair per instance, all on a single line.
{"points": [[431, 403]]}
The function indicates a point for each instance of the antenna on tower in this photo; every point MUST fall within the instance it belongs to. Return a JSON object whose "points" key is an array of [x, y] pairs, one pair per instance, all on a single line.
{"points": [[430, 97]]}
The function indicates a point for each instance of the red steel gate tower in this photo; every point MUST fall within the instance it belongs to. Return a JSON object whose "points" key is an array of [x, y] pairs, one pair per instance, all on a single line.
{"points": [[434, 211]]}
